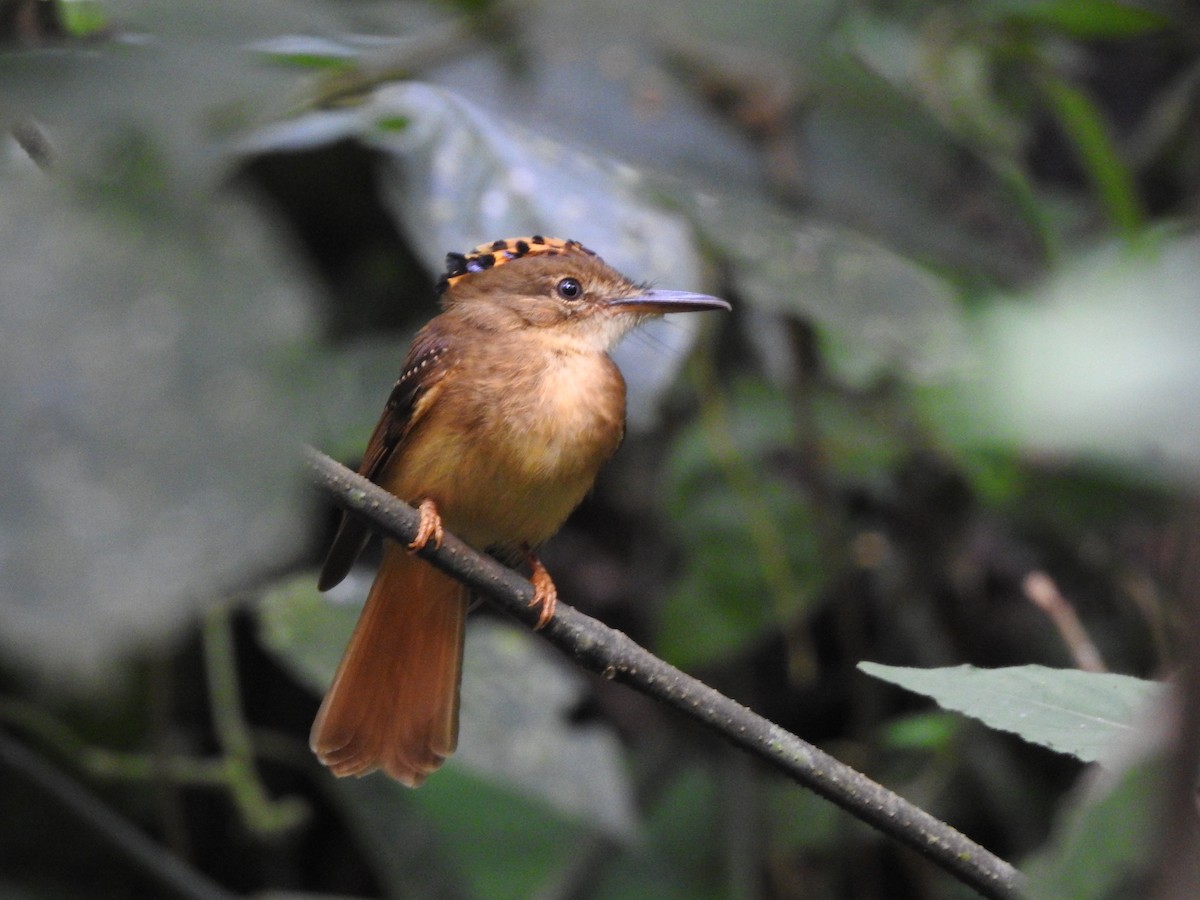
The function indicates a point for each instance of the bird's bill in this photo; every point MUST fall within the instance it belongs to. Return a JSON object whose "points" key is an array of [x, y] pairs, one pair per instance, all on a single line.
{"points": [[661, 302]]}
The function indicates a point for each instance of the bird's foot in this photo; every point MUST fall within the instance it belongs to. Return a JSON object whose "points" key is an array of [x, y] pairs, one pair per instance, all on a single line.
{"points": [[429, 529], [545, 594]]}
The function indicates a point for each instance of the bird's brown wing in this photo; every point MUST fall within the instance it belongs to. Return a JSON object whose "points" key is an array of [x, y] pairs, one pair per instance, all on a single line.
{"points": [[428, 362]]}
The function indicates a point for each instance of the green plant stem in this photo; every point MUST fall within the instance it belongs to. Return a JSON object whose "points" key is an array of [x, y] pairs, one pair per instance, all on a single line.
{"points": [[1085, 127], [110, 764], [169, 871], [765, 535], [235, 770], [240, 773]]}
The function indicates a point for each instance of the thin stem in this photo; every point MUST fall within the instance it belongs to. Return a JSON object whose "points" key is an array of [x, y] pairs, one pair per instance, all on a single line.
{"points": [[102, 763], [234, 770], [1043, 593], [762, 530], [259, 811], [614, 655], [168, 870]]}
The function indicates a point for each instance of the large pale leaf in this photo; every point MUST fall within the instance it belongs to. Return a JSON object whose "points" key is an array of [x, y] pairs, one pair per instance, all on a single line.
{"points": [[875, 311], [460, 175], [182, 90], [457, 176], [1079, 713], [147, 424]]}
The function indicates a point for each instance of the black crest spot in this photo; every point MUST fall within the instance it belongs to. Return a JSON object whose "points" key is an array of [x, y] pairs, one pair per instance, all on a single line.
{"points": [[456, 264], [495, 253]]}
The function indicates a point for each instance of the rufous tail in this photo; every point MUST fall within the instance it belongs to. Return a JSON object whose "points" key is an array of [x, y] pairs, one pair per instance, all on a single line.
{"points": [[393, 704]]}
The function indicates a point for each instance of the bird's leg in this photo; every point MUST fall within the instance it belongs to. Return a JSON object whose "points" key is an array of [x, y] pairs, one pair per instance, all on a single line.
{"points": [[430, 527], [545, 594]]}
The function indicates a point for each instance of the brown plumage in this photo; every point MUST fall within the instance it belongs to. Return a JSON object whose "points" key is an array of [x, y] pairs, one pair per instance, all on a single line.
{"points": [[506, 408]]}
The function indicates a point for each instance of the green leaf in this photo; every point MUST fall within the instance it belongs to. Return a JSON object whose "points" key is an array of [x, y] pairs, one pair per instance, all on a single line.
{"points": [[876, 312], [459, 835], [524, 777], [307, 631], [519, 697], [1084, 18], [82, 17], [679, 853], [1106, 842], [1078, 713], [800, 820], [932, 732], [1085, 126], [304, 51], [503, 844]]}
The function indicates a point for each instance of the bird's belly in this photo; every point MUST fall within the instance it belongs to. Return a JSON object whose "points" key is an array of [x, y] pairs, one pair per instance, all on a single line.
{"points": [[513, 472]]}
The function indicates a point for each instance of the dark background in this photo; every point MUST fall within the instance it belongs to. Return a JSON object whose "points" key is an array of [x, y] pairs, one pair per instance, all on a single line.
{"points": [[960, 245]]}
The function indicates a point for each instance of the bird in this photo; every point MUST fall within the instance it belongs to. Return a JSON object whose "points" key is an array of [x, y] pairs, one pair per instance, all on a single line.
{"points": [[507, 406]]}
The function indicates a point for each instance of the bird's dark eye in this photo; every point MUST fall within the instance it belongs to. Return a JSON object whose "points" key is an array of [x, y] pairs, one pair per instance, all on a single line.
{"points": [[569, 289]]}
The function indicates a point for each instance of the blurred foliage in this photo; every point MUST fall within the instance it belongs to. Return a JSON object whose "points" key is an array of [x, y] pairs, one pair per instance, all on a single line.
{"points": [[960, 240]]}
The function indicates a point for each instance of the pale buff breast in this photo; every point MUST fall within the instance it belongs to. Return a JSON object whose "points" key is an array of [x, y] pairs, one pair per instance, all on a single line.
{"points": [[514, 463]]}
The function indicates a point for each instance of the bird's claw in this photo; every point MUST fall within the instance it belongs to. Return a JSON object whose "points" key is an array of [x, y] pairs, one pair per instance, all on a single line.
{"points": [[545, 594], [430, 527]]}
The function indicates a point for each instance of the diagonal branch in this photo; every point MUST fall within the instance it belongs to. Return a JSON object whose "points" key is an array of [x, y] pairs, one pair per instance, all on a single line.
{"points": [[612, 654]]}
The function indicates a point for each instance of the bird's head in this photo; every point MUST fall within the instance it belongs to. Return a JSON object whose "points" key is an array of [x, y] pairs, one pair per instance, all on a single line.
{"points": [[548, 283]]}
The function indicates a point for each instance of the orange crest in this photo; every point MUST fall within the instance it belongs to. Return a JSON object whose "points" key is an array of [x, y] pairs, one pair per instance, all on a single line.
{"points": [[487, 256]]}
